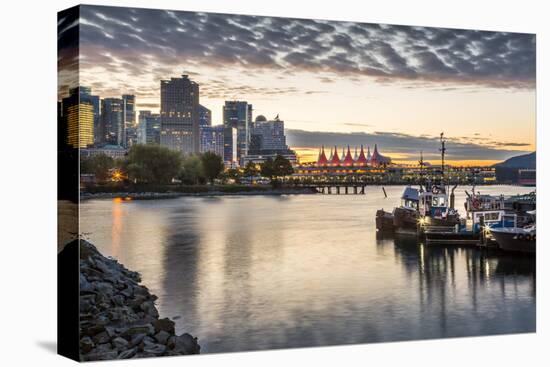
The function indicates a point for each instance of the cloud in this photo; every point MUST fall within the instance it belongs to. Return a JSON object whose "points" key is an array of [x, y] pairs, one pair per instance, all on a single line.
{"points": [[406, 145], [131, 40]]}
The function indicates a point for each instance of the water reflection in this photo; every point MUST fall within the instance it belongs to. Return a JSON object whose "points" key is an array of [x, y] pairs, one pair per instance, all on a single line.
{"points": [[249, 273]]}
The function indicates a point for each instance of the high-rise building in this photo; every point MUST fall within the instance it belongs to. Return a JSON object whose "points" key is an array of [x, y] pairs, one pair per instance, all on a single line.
{"points": [[112, 121], [205, 116], [268, 135], [80, 125], [179, 114], [129, 116], [85, 95], [238, 115], [129, 101], [77, 118], [148, 130], [212, 138], [267, 140]]}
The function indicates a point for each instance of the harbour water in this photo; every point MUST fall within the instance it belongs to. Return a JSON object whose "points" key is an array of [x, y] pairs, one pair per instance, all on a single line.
{"points": [[265, 272]]}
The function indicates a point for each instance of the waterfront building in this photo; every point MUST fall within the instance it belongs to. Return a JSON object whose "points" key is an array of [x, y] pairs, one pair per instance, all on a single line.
{"points": [[113, 151], [267, 140], [179, 114], [237, 115], [148, 130], [212, 139], [267, 135], [378, 159], [205, 116], [112, 121]]}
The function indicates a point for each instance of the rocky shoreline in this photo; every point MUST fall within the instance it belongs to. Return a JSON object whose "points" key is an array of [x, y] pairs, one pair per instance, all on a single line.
{"points": [[118, 316]]}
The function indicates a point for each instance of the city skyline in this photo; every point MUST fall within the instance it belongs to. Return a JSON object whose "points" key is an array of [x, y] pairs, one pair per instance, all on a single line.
{"points": [[391, 85]]}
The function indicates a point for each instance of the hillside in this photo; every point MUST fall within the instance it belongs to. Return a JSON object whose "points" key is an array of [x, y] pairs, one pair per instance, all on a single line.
{"points": [[520, 161]]}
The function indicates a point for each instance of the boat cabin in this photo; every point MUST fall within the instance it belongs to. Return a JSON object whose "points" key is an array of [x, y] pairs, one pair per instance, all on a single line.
{"points": [[433, 203], [409, 199]]}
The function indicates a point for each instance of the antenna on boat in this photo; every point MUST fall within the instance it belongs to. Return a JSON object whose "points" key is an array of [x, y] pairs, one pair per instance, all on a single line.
{"points": [[421, 163], [442, 150]]}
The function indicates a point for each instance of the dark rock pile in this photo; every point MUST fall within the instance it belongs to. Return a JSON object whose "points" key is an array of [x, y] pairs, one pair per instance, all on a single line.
{"points": [[118, 317]]}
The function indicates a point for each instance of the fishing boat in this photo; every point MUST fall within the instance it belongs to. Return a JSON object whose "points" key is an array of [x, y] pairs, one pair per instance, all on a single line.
{"points": [[517, 239], [405, 217]]}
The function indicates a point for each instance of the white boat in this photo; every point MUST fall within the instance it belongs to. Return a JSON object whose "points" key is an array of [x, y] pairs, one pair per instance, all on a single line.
{"points": [[517, 239]]}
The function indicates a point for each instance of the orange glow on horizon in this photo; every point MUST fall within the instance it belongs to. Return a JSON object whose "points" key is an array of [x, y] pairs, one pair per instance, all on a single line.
{"points": [[310, 155]]}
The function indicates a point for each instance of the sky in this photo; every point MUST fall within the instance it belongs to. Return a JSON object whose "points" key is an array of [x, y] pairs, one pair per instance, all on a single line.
{"points": [[333, 83]]}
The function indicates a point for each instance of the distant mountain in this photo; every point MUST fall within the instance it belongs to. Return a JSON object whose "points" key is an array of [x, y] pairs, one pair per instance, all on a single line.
{"points": [[520, 161]]}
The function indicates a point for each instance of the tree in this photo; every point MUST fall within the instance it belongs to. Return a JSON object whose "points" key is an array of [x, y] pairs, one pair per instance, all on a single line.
{"points": [[98, 165], [266, 168], [152, 164], [192, 170], [282, 166], [250, 169], [212, 165]]}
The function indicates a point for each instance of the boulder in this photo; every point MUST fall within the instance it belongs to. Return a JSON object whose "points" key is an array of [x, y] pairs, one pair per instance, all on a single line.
{"points": [[130, 353], [120, 343], [162, 337], [165, 324]]}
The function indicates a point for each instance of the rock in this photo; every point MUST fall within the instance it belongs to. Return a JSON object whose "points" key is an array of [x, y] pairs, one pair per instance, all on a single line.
{"points": [[104, 287], [162, 337], [101, 356], [84, 285], [146, 329], [86, 344], [101, 338], [154, 349], [120, 343], [186, 344], [118, 316], [137, 339], [165, 324], [127, 353]]}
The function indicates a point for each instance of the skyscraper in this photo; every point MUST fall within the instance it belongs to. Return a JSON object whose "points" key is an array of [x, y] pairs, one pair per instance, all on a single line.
{"points": [[205, 116], [179, 114], [80, 125], [212, 139], [268, 135], [267, 140], [130, 131], [77, 118], [148, 130], [129, 101], [112, 121], [237, 115], [85, 95]]}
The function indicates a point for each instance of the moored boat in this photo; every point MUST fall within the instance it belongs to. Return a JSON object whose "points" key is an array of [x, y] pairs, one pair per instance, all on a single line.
{"points": [[516, 239]]}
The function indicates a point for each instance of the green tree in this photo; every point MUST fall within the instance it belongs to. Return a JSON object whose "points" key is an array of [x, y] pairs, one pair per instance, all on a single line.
{"points": [[99, 165], [267, 169], [152, 164], [282, 167], [192, 170], [250, 169], [212, 165]]}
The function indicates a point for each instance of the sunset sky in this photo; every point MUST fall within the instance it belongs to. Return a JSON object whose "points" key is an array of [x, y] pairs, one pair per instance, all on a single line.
{"points": [[333, 83]]}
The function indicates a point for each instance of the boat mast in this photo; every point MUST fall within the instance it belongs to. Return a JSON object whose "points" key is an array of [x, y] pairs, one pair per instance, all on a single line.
{"points": [[421, 163], [442, 150]]}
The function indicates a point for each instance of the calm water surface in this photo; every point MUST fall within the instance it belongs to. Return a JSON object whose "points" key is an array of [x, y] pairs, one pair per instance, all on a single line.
{"points": [[260, 272]]}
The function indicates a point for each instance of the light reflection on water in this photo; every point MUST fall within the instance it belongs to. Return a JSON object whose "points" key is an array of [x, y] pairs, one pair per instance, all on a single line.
{"points": [[249, 273]]}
